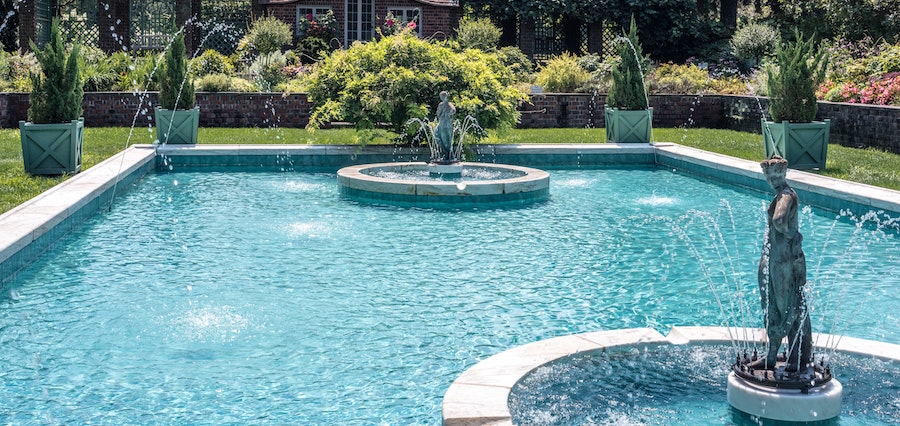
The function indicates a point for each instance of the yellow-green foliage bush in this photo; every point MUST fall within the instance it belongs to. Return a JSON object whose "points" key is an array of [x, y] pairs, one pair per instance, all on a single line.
{"points": [[211, 62], [562, 74], [672, 78], [401, 76], [729, 85]]}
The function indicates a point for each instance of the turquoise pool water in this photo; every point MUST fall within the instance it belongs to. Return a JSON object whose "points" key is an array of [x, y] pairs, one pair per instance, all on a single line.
{"points": [[680, 385], [247, 297]]}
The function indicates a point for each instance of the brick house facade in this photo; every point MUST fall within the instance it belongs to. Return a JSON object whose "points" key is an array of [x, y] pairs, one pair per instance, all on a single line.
{"points": [[358, 19]]}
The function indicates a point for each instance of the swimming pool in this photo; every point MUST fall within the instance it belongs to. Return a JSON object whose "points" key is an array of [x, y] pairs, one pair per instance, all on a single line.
{"points": [[242, 296]]}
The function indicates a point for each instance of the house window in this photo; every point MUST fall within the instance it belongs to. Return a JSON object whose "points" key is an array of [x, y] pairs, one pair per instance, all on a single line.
{"points": [[303, 12], [359, 20], [407, 15]]}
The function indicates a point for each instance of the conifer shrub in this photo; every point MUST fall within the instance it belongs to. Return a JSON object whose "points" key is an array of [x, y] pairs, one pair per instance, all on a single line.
{"points": [[627, 90], [56, 90], [792, 85], [176, 90]]}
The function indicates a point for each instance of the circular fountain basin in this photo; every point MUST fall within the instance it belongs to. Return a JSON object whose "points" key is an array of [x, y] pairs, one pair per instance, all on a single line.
{"points": [[641, 376], [422, 184]]}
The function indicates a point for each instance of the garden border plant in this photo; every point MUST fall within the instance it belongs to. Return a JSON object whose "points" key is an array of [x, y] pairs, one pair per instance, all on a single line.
{"points": [[177, 117], [53, 137], [792, 133], [628, 115], [399, 77]]}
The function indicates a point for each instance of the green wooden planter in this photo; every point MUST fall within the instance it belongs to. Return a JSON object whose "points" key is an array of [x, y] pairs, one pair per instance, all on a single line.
{"points": [[52, 149], [628, 126], [803, 145], [178, 128]]}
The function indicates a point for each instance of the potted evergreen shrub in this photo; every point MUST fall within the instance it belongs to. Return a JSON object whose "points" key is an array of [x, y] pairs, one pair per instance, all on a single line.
{"points": [[628, 115], [52, 137], [792, 133], [177, 119]]}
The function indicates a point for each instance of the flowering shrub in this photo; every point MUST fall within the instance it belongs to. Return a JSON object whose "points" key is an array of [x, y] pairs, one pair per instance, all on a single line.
{"points": [[884, 91], [393, 25], [323, 26]]}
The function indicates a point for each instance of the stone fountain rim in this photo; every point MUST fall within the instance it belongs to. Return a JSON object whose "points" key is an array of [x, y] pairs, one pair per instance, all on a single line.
{"points": [[355, 178], [480, 395]]}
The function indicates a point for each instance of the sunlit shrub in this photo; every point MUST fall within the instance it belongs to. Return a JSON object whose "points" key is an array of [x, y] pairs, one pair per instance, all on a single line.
{"points": [[400, 77], [478, 33], [672, 78], [562, 74], [211, 62]]}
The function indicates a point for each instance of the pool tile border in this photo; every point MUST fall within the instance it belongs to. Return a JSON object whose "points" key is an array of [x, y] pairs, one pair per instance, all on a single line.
{"points": [[480, 395]]}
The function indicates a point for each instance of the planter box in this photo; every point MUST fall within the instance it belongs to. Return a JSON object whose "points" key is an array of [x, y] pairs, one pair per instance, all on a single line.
{"points": [[177, 127], [803, 145], [624, 126], [52, 149]]}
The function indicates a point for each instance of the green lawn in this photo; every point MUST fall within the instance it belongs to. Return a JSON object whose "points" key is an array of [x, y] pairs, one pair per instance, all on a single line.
{"points": [[860, 165]]}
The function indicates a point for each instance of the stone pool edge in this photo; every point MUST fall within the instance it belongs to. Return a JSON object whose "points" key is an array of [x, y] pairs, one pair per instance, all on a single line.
{"points": [[480, 395]]}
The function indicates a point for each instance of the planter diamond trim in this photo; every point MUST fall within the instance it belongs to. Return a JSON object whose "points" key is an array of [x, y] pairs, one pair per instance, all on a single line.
{"points": [[627, 126], [178, 126], [803, 145], [52, 149]]}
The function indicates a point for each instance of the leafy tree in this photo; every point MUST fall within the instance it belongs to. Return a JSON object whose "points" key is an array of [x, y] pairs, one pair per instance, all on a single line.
{"points": [[57, 93], [268, 34]]}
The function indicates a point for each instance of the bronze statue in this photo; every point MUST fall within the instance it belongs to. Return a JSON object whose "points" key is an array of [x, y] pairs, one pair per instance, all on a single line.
{"points": [[782, 274], [444, 132]]}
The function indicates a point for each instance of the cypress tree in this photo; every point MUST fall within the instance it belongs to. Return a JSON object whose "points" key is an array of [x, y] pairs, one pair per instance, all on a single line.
{"points": [[792, 87], [56, 93], [627, 90], [175, 79]]}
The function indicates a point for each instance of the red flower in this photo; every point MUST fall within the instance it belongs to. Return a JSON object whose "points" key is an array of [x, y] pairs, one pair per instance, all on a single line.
{"points": [[390, 22], [309, 17]]}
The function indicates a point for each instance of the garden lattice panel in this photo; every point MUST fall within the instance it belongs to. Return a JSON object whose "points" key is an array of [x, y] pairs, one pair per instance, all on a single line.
{"points": [[152, 23], [224, 23], [78, 21]]}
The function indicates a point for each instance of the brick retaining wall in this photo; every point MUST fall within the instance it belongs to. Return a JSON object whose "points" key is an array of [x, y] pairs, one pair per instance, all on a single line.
{"points": [[851, 124]]}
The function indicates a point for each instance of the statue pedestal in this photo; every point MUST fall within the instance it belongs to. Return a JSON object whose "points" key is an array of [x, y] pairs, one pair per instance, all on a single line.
{"points": [[820, 403], [448, 170]]}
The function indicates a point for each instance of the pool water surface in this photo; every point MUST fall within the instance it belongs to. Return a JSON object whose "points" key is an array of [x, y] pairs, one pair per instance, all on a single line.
{"points": [[246, 297]]}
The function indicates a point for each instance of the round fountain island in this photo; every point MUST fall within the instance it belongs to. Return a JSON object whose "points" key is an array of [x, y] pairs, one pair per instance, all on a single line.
{"points": [[435, 184]]}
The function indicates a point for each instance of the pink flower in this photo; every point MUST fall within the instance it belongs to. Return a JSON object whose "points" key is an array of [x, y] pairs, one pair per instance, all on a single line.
{"points": [[412, 25], [309, 17], [390, 22]]}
